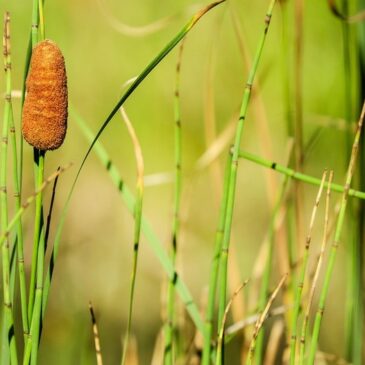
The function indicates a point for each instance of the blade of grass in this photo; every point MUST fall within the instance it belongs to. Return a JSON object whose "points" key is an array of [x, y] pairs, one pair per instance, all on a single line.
{"points": [[338, 233], [137, 223], [7, 300], [190, 305]]}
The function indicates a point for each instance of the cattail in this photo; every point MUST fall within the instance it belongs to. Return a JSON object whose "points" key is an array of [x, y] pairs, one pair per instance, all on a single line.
{"points": [[45, 107]]}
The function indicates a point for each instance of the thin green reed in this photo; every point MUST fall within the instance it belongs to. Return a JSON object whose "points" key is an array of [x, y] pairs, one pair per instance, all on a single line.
{"points": [[37, 268], [214, 271], [358, 336], [169, 327], [137, 226], [151, 236], [338, 233], [17, 198], [189, 304], [233, 170], [299, 290], [7, 298], [39, 157], [353, 217], [298, 175], [264, 289]]}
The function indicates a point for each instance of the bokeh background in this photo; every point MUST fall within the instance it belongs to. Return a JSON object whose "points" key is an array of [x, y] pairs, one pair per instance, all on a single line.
{"points": [[101, 54]]}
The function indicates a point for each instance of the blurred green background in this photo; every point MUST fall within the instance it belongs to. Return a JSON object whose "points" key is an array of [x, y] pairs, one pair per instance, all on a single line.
{"points": [[96, 251]]}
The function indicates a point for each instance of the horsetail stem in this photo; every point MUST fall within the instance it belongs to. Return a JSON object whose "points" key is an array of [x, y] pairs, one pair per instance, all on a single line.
{"points": [[338, 233], [234, 164], [7, 299], [169, 327]]}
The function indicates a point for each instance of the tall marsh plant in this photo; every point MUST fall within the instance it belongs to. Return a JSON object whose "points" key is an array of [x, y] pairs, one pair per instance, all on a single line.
{"points": [[289, 299]]}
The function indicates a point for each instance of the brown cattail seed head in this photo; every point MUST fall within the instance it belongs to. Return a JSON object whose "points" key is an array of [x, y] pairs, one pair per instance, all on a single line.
{"points": [[45, 106]]}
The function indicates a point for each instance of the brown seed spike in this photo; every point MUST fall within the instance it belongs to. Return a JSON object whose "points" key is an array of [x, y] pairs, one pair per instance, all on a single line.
{"points": [[45, 108]]}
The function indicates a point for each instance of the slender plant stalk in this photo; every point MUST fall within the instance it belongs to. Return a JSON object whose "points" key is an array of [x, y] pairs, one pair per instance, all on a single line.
{"points": [[264, 290], [38, 223], [261, 320], [298, 294], [214, 271], [35, 22], [137, 225], [17, 198], [352, 221], [219, 354], [303, 336], [190, 305], [359, 244], [39, 172], [169, 326], [234, 164], [37, 268], [7, 298], [42, 31], [338, 232], [36, 317], [297, 175]]}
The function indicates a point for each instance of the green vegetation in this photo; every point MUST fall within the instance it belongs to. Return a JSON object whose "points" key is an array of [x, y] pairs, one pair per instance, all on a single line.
{"points": [[176, 222]]}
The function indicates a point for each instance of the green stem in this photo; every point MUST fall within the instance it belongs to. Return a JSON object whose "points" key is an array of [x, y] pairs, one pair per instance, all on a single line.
{"points": [[298, 175], [233, 170], [36, 318], [333, 253], [137, 227], [7, 298], [35, 23], [214, 271], [38, 224], [32, 343], [169, 327], [19, 228]]}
